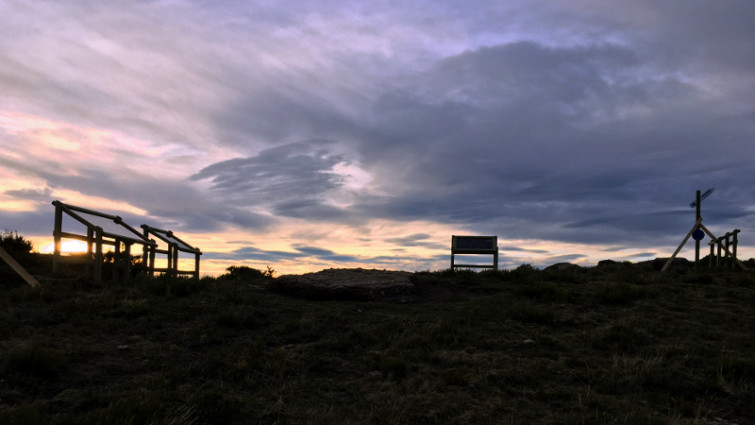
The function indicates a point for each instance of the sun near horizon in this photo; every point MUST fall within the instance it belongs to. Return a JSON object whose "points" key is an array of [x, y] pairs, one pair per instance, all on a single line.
{"points": [[66, 247]]}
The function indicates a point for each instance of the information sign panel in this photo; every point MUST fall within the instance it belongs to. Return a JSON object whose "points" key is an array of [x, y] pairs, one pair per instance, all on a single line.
{"points": [[474, 245]]}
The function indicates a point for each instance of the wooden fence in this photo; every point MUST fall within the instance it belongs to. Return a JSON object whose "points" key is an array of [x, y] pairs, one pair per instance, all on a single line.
{"points": [[175, 245], [121, 237]]}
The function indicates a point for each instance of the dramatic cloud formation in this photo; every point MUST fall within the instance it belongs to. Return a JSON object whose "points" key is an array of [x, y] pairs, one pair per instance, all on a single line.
{"points": [[307, 135]]}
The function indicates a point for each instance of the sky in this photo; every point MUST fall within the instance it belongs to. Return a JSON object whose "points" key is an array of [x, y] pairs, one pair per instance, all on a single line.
{"points": [[308, 135]]}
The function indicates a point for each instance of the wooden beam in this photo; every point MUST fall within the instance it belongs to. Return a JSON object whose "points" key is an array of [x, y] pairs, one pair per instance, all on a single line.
{"points": [[70, 208], [18, 268], [698, 223]]}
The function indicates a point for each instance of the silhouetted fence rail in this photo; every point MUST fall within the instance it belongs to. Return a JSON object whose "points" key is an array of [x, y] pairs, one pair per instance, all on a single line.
{"points": [[175, 245], [103, 230]]}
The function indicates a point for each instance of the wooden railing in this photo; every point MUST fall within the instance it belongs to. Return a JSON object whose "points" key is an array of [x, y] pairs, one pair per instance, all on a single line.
{"points": [[175, 245], [97, 238]]}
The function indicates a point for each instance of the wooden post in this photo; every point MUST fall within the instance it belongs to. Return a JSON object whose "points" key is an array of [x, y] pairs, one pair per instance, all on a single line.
{"points": [[697, 218], [170, 259], [90, 253], [117, 261], [127, 263], [56, 235], [152, 261], [145, 249], [196, 266], [97, 278], [718, 253], [175, 260], [710, 257], [734, 248]]}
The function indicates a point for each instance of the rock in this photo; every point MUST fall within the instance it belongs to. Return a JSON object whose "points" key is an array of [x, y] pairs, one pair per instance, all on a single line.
{"points": [[562, 267], [608, 263], [346, 284]]}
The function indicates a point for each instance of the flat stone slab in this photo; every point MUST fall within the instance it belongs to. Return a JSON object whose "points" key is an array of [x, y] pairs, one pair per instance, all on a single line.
{"points": [[356, 284]]}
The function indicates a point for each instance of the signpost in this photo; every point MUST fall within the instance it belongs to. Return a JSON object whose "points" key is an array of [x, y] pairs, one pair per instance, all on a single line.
{"points": [[698, 234], [699, 231], [474, 245]]}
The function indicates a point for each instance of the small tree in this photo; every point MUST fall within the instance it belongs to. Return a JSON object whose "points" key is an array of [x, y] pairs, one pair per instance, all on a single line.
{"points": [[15, 243]]}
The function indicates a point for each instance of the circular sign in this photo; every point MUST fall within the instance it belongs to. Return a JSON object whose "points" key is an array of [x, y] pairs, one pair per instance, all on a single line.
{"points": [[698, 234]]}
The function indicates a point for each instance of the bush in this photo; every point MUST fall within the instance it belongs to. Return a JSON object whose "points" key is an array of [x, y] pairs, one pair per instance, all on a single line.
{"points": [[244, 273], [15, 243]]}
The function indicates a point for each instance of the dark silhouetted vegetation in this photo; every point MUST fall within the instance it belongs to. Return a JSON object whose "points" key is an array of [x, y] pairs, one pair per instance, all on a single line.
{"points": [[14, 243], [611, 344]]}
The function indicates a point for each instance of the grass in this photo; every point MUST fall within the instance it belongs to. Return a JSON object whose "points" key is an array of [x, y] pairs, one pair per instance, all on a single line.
{"points": [[515, 347]]}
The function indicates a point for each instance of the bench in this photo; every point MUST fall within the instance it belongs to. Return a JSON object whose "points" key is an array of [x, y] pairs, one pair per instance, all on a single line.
{"points": [[474, 245]]}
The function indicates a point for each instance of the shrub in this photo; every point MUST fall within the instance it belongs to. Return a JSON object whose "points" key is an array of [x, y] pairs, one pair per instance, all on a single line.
{"points": [[524, 273], [15, 243], [244, 273]]}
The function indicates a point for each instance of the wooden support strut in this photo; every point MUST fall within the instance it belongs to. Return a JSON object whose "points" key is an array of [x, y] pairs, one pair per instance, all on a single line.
{"points": [[699, 224], [714, 240], [18, 268]]}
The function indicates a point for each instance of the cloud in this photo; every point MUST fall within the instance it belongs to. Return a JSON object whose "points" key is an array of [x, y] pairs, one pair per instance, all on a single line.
{"points": [[417, 239], [252, 253], [539, 137], [167, 203], [38, 195], [292, 170], [520, 249], [575, 122], [294, 180], [34, 222], [309, 253]]}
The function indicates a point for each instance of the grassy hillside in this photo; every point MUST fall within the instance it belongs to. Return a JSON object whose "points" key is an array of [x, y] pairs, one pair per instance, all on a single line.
{"points": [[615, 344]]}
